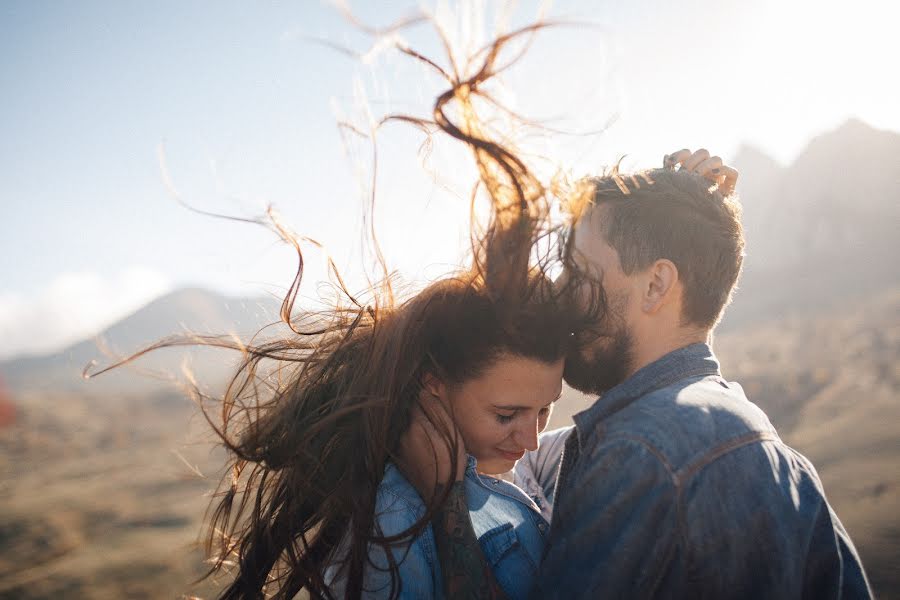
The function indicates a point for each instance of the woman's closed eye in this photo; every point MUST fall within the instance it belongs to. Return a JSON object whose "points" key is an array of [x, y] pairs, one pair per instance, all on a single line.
{"points": [[505, 419]]}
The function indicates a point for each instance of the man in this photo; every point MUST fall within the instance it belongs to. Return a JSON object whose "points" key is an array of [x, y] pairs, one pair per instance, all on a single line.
{"points": [[672, 484]]}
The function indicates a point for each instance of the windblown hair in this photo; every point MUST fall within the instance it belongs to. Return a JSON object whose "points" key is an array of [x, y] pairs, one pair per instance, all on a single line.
{"points": [[308, 444], [669, 214]]}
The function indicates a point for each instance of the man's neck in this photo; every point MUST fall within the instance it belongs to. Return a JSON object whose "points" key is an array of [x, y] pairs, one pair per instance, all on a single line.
{"points": [[651, 348]]}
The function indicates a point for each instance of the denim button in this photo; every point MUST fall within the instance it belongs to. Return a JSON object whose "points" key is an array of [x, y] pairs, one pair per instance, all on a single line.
{"points": [[542, 527]]}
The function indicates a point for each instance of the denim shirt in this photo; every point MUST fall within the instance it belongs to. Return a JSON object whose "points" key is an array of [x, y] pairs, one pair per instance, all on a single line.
{"points": [[674, 485], [508, 524]]}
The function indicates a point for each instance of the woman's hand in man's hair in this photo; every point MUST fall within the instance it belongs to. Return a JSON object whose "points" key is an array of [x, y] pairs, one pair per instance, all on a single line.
{"points": [[701, 163]]}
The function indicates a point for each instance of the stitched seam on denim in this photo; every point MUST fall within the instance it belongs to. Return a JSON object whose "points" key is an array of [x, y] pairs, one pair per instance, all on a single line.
{"points": [[721, 450], [649, 446], [672, 479]]}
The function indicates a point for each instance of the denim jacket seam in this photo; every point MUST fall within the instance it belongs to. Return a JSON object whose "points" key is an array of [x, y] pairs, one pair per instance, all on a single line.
{"points": [[656, 452], [681, 528], [684, 474], [692, 468]]}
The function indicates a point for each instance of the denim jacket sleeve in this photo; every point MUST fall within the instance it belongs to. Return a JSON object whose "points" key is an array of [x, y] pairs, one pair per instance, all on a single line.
{"points": [[599, 540]]}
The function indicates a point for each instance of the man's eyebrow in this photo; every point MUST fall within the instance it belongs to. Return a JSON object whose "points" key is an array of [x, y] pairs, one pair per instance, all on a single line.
{"points": [[518, 407]]}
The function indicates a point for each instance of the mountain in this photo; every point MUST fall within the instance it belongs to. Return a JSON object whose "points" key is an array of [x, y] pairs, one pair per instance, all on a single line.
{"points": [[821, 231], [189, 310]]}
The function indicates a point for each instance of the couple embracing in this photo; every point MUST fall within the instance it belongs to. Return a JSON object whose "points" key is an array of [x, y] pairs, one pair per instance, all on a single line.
{"points": [[672, 484], [405, 456]]}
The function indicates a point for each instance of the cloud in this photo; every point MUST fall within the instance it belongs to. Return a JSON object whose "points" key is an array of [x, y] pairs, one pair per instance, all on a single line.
{"points": [[73, 306]]}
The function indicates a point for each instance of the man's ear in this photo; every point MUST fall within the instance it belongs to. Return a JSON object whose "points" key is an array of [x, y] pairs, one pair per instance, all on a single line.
{"points": [[660, 287]]}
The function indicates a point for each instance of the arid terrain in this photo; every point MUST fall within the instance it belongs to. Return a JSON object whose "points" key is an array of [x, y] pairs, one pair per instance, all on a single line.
{"points": [[103, 496]]}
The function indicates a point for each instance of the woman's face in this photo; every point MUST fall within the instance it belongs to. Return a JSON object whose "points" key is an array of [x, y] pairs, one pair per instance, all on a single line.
{"points": [[501, 413]]}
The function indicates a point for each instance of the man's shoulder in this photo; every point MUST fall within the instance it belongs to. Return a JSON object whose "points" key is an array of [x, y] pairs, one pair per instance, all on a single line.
{"points": [[688, 419]]}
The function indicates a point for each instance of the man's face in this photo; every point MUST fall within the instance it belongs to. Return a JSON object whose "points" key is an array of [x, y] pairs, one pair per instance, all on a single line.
{"points": [[603, 356]]}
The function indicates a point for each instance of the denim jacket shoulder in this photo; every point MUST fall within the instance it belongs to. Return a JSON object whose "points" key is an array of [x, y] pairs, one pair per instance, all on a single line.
{"points": [[690, 423]]}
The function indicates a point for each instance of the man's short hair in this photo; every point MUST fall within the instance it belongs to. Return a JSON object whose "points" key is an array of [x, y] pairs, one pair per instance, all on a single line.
{"points": [[680, 217]]}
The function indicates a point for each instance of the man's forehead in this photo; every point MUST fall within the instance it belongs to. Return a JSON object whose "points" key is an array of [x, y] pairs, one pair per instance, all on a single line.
{"points": [[591, 249], [589, 228]]}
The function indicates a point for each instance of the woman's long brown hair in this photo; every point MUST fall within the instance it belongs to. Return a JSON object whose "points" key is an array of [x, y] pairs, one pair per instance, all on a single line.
{"points": [[309, 438]]}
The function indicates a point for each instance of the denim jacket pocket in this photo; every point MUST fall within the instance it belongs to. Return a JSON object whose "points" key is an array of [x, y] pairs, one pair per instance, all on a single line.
{"points": [[497, 542], [512, 567]]}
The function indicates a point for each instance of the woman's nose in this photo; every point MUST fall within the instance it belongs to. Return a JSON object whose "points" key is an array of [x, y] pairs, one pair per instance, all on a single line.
{"points": [[528, 436]]}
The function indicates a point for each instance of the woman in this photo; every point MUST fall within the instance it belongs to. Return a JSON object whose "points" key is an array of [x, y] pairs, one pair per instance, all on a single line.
{"points": [[498, 371], [318, 498]]}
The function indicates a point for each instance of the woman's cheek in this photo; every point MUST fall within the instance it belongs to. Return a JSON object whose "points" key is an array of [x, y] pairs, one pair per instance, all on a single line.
{"points": [[543, 420]]}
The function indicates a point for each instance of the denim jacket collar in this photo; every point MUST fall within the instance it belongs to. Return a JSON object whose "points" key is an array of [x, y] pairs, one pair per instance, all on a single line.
{"points": [[694, 360]]}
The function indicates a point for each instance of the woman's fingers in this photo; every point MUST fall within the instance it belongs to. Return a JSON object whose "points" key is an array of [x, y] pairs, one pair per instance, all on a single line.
{"points": [[701, 163], [670, 160], [709, 168], [694, 160], [726, 186]]}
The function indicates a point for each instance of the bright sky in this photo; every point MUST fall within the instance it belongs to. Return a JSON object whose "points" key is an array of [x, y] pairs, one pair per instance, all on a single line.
{"points": [[245, 107]]}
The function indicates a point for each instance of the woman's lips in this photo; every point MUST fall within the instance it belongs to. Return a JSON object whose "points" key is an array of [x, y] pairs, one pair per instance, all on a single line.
{"points": [[511, 455]]}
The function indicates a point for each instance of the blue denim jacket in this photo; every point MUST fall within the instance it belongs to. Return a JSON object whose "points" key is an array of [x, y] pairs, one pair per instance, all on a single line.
{"points": [[508, 524], [674, 485]]}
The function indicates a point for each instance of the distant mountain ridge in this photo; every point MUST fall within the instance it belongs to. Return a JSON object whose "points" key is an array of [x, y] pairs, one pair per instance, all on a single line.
{"points": [[823, 229], [184, 311]]}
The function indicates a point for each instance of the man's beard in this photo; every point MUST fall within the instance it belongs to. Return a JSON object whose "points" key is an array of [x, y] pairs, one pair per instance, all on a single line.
{"points": [[605, 367]]}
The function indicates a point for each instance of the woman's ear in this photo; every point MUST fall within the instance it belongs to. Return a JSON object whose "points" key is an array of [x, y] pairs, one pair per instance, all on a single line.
{"points": [[433, 388]]}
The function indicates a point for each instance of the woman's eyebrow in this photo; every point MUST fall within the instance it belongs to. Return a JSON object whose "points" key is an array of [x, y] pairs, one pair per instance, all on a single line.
{"points": [[519, 407]]}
